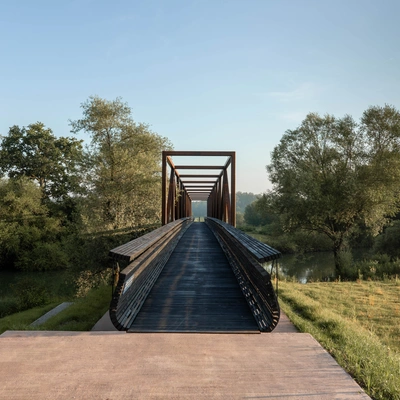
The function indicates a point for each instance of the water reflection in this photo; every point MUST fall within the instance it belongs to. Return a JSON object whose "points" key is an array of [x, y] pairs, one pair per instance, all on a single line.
{"points": [[306, 267]]}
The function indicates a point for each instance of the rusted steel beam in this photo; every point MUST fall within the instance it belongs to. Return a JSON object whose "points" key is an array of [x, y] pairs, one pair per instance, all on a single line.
{"points": [[233, 189], [199, 166], [185, 182], [220, 193], [200, 153], [199, 186], [164, 189], [171, 164], [198, 176]]}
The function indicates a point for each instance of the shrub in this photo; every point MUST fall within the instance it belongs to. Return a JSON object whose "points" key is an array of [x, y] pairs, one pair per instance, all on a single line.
{"points": [[30, 293]]}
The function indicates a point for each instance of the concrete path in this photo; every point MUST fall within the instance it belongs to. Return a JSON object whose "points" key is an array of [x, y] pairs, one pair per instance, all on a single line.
{"points": [[105, 324], [114, 365], [51, 313]]}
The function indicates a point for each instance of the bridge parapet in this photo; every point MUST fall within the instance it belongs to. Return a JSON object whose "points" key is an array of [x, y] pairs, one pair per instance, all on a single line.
{"points": [[142, 261], [245, 255]]}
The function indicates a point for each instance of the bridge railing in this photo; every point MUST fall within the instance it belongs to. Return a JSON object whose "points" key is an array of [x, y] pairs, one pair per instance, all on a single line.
{"points": [[245, 255], [137, 265]]}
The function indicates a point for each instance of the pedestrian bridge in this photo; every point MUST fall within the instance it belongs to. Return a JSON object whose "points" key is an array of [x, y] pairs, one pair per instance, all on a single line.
{"points": [[195, 276]]}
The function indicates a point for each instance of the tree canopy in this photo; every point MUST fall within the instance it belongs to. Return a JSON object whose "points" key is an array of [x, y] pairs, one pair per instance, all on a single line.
{"points": [[125, 164], [332, 173], [34, 152]]}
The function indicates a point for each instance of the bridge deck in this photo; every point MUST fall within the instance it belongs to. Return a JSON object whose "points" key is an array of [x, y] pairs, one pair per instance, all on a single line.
{"points": [[196, 291]]}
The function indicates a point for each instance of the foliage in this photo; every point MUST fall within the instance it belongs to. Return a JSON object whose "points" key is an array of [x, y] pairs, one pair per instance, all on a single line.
{"points": [[243, 199], [355, 322], [28, 235], [125, 177], [83, 314], [34, 152], [388, 241], [331, 174], [30, 293], [21, 320]]}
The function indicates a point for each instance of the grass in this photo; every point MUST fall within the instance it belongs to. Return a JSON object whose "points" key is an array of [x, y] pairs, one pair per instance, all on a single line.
{"points": [[81, 316], [358, 323], [20, 321]]}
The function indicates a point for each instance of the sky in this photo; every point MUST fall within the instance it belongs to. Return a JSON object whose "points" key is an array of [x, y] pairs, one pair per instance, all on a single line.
{"points": [[209, 75]]}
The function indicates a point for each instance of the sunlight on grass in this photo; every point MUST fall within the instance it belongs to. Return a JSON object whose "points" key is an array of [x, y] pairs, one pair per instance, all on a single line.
{"points": [[80, 316], [22, 320], [357, 323]]}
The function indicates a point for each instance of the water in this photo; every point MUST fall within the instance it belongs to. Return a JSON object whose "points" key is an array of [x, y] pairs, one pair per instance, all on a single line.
{"points": [[306, 267]]}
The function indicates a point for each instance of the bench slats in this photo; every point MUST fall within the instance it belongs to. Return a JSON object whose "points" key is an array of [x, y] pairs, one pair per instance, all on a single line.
{"points": [[133, 249], [260, 251]]}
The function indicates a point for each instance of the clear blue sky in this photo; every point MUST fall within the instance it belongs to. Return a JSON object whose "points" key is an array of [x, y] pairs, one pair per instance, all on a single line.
{"points": [[209, 75]]}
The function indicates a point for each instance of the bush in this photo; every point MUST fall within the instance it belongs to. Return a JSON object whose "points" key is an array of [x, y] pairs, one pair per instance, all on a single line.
{"points": [[380, 266], [388, 241], [8, 306], [30, 293]]}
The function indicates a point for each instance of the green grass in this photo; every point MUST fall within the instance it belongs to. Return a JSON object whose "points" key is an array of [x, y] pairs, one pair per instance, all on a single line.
{"points": [[20, 321], [357, 323], [81, 316]]}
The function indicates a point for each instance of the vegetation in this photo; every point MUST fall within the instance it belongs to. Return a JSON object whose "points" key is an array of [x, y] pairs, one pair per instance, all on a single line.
{"points": [[57, 200], [125, 165], [333, 176], [357, 322], [80, 316], [20, 321], [83, 314]]}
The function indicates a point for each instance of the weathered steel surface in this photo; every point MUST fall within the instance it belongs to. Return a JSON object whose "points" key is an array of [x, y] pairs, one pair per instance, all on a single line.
{"points": [[85, 365], [253, 279], [177, 195], [133, 249], [136, 280], [260, 251], [196, 291]]}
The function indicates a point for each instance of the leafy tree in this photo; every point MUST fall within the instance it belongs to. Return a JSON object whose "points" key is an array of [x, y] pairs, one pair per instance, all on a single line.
{"points": [[29, 237], [34, 152], [243, 199], [331, 173], [125, 165]]}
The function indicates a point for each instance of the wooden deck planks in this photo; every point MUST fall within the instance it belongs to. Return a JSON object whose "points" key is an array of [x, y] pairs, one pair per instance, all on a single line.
{"points": [[196, 291]]}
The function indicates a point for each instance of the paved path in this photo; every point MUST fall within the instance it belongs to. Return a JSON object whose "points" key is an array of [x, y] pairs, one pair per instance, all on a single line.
{"points": [[114, 365]]}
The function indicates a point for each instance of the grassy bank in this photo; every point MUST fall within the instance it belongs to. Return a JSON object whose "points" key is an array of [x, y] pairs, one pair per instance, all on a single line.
{"points": [[358, 323], [81, 316]]}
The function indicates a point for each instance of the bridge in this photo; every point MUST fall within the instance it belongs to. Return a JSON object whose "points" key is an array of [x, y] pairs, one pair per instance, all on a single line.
{"points": [[195, 276], [192, 295]]}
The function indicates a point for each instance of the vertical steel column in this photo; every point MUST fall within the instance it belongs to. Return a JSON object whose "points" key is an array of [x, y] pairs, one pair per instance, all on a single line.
{"points": [[233, 189], [164, 189], [226, 214], [171, 198]]}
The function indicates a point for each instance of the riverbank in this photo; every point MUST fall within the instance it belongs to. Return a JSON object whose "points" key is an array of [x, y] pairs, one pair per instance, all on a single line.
{"points": [[357, 322]]}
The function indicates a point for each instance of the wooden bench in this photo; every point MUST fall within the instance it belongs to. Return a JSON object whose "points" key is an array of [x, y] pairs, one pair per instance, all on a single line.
{"points": [[143, 260], [245, 255]]}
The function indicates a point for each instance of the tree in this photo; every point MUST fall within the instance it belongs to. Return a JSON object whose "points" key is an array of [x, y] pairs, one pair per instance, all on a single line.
{"points": [[34, 152], [29, 237], [331, 173], [243, 199], [125, 164]]}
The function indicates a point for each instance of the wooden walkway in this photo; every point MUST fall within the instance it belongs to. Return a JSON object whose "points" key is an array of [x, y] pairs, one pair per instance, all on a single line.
{"points": [[196, 291]]}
